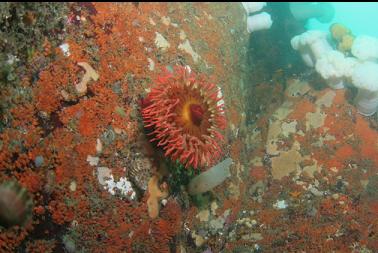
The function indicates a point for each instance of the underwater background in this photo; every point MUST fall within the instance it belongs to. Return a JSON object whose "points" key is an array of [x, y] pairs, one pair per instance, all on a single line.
{"points": [[355, 15], [188, 127]]}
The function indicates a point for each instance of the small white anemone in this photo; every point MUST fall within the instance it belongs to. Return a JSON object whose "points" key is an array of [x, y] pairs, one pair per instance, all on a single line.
{"points": [[65, 47], [124, 186]]}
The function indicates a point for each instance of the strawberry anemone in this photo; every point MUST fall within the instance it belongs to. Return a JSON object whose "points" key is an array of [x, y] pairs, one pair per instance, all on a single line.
{"points": [[185, 116]]}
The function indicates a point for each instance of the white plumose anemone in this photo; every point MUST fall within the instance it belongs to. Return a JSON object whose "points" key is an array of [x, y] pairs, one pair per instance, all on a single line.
{"points": [[365, 48], [365, 78], [331, 68], [261, 21], [335, 68], [312, 45], [251, 7]]}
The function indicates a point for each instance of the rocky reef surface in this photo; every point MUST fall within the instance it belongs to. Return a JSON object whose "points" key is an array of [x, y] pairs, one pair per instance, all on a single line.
{"points": [[305, 163]]}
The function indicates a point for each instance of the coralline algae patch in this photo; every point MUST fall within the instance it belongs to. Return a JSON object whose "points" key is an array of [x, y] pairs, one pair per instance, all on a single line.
{"points": [[320, 130], [320, 162], [81, 115], [306, 187]]}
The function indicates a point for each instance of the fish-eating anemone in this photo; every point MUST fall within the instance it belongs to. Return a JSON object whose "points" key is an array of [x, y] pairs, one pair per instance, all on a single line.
{"points": [[186, 117]]}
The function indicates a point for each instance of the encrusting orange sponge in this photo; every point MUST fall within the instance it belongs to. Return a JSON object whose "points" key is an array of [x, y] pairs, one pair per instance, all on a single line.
{"points": [[155, 195]]}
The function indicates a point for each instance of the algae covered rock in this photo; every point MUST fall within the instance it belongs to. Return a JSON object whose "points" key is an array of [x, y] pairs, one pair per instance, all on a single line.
{"points": [[24, 27]]}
